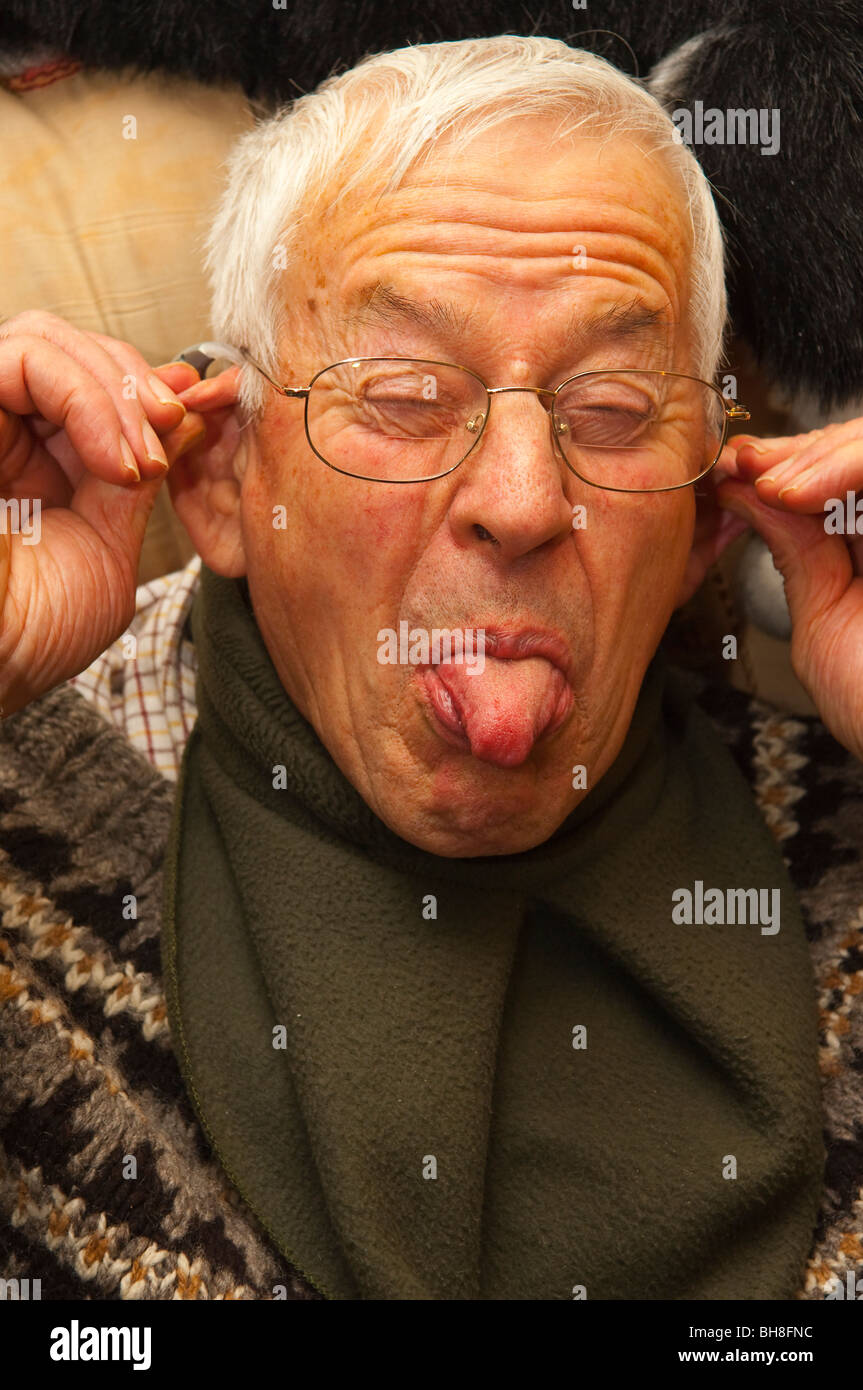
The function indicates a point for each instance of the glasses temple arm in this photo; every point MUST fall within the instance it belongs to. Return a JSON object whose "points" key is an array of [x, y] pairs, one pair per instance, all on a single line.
{"points": [[283, 390]]}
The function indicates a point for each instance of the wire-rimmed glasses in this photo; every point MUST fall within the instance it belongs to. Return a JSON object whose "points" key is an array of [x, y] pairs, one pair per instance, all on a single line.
{"points": [[411, 420]]}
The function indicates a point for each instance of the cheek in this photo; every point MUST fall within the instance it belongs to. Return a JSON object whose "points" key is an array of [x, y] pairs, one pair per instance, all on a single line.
{"points": [[635, 552], [665, 546], [676, 527], [287, 492], [335, 534], [663, 525]]}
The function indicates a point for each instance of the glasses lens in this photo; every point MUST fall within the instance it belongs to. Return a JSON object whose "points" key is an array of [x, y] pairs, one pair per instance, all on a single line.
{"points": [[639, 431], [393, 419]]}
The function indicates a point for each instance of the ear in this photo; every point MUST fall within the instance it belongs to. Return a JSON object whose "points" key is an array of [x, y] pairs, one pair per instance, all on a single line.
{"points": [[715, 526], [204, 481]]}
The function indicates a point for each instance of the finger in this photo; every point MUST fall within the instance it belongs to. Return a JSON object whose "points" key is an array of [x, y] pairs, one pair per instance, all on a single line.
{"points": [[818, 481], [121, 379], [26, 468], [759, 456], [180, 440], [121, 518], [178, 375], [726, 465], [157, 396], [816, 567], [38, 377], [214, 392], [738, 440], [118, 516], [819, 447]]}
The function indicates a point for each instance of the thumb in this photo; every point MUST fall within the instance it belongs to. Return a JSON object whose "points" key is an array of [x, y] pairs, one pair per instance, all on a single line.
{"points": [[815, 567]]}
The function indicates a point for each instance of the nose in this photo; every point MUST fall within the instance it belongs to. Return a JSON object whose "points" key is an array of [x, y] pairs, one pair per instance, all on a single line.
{"points": [[511, 488]]}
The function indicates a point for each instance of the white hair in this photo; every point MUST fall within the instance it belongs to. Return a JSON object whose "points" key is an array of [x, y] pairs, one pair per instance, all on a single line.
{"points": [[396, 106]]}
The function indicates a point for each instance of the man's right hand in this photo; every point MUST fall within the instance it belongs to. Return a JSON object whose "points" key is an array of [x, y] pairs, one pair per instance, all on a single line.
{"points": [[78, 413]]}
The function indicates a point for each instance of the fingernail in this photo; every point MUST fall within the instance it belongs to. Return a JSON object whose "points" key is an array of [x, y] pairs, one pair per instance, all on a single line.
{"points": [[756, 448], [787, 462], [153, 446], [781, 470], [128, 458], [176, 363], [787, 468], [163, 393], [805, 477]]}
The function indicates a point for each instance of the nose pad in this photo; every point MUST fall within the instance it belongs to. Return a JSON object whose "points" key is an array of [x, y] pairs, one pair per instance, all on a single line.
{"points": [[476, 422]]}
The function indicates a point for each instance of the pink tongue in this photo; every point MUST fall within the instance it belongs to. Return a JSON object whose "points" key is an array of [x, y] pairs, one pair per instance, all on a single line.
{"points": [[505, 707]]}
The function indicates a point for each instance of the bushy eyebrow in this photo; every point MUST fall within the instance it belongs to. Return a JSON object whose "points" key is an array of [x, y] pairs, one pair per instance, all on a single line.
{"points": [[626, 321], [381, 305]]}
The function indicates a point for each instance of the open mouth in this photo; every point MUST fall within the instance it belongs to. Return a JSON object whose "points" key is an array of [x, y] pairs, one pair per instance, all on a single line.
{"points": [[498, 714]]}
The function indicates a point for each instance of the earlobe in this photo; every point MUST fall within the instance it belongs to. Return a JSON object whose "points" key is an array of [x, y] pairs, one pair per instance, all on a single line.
{"points": [[205, 490]]}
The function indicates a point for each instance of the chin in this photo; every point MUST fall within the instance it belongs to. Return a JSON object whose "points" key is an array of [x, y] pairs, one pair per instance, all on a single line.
{"points": [[479, 827], [465, 807], [457, 846]]}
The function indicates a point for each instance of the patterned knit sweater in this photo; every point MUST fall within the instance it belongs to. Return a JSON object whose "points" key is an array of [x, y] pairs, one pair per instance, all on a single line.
{"points": [[107, 1187]]}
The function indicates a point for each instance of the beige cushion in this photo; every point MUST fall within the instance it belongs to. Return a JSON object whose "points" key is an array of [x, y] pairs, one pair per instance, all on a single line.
{"points": [[105, 230]]}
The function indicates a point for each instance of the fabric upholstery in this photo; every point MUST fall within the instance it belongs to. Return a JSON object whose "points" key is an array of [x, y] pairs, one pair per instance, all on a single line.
{"points": [[105, 230]]}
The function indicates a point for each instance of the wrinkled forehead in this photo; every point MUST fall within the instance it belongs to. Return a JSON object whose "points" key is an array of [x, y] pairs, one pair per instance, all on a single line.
{"points": [[522, 179]]}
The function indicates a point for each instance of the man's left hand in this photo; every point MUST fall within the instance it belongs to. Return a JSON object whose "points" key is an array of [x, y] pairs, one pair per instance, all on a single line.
{"points": [[787, 489]]}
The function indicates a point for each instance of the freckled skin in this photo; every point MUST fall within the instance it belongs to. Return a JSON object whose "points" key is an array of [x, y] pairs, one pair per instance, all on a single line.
{"points": [[492, 230]]}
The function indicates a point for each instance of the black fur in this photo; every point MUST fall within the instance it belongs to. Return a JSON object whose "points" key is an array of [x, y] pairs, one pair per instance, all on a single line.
{"points": [[794, 219]]}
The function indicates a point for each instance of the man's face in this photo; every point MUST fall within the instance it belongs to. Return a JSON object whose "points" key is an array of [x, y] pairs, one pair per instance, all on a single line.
{"points": [[526, 240]]}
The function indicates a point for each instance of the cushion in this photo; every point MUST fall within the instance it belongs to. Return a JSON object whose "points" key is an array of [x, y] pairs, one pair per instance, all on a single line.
{"points": [[109, 182]]}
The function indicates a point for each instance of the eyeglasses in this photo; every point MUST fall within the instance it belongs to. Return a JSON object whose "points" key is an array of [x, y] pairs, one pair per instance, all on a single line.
{"points": [[407, 420]]}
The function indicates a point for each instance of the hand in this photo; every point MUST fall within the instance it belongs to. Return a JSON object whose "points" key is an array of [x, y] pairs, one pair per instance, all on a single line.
{"points": [[783, 488], [70, 444]]}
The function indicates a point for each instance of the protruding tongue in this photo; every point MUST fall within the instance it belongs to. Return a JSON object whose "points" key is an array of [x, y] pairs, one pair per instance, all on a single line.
{"points": [[507, 706]]}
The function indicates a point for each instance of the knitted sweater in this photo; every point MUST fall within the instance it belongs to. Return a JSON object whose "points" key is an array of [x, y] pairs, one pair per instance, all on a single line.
{"points": [[107, 1186]]}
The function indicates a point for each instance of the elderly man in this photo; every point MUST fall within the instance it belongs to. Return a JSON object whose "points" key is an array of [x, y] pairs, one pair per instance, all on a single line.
{"points": [[484, 975]]}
